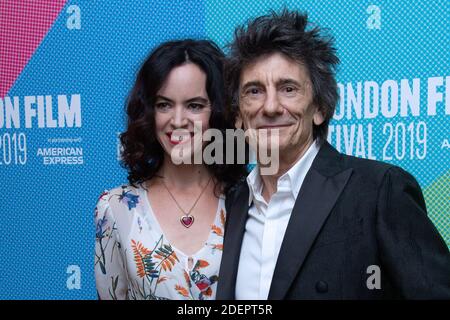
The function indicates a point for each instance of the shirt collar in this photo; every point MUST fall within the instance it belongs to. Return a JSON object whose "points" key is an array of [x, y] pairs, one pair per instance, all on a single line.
{"points": [[254, 184], [298, 171], [296, 174]]}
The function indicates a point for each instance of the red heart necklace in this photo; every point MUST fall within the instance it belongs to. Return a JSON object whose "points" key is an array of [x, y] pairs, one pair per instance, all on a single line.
{"points": [[187, 219]]}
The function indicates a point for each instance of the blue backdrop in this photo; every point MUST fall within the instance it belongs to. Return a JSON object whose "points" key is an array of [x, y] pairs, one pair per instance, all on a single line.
{"points": [[69, 66]]}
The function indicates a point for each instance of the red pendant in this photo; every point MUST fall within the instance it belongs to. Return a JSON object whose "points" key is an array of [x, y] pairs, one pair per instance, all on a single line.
{"points": [[187, 220]]}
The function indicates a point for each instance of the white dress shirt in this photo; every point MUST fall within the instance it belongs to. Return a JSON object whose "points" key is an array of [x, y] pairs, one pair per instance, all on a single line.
{"points": [[266, 226]]}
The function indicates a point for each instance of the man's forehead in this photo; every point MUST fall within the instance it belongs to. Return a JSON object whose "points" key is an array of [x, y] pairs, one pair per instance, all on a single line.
{"points": [[273, 67]]}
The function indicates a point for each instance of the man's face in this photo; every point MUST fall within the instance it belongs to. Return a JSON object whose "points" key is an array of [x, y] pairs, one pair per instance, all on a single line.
{"points": [[275, 92]]}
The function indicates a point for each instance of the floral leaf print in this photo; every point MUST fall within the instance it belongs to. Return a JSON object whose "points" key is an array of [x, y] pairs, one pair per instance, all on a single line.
{"points": [[203, 283], [208, 292], [114, 287], [99, 231], [139, 224], [166, 263], [150, 269], [222, 217], [161, 279], [140, 266], [213, 279], [167, 256], [217, 230], [129, 198], [104, 193], [183, 291], [186, 277], [102, 266], [101, 235], [143, 259], [201, 264], [217, 247], [138, 248]]}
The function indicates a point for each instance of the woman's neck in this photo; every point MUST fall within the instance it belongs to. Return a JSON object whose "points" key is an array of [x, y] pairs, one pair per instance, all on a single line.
{"points": [[184, 175]]}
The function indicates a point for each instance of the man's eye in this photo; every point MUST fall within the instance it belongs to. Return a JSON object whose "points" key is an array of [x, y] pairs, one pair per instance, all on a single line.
{"points": [[253, 91], [290, 89]]}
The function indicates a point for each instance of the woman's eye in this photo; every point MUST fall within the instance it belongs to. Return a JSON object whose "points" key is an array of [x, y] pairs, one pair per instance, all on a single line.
{"points": [[195, 106], [162, 106]]}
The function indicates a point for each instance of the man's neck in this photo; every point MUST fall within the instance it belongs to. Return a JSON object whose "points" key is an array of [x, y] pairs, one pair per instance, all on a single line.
{"points": [[287, 161]]}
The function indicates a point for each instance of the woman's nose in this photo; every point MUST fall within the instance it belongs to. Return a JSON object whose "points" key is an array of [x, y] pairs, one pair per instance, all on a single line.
{"points": [[179, 117]]}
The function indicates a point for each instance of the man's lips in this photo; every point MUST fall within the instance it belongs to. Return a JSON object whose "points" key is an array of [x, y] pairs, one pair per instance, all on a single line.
{"points": [[274, 126]]}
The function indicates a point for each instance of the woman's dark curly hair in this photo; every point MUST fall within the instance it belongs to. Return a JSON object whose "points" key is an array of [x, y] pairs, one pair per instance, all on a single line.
{"points": [[286, 32], [142, 154]]}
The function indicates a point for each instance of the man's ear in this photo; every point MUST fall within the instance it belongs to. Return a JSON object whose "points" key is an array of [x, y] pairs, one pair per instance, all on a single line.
{"points": [[318, 117]]}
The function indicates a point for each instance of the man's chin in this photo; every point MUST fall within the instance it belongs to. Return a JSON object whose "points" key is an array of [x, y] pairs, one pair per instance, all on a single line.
{"points": [[272, 147]]}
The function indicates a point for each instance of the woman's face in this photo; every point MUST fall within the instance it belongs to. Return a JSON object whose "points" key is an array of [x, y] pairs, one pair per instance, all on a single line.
{"points": [[182, 108]]}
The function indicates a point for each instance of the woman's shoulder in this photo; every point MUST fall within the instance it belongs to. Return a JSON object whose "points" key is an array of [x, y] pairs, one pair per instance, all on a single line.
{"points": [[123, 189], [124, 195]]}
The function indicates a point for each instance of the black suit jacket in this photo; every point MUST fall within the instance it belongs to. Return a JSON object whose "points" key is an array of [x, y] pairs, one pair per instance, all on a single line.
{"points": [[350, 214]]}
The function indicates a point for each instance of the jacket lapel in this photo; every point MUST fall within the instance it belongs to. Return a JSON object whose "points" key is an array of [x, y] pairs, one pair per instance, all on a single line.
{"points": [[320, 190], [234, 233]]}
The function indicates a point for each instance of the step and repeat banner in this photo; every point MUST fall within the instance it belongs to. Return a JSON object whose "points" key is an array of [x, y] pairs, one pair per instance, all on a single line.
{"points": [[66, 68]]}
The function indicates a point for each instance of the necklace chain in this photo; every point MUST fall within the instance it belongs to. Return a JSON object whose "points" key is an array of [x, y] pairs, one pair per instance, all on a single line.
{"points": [[176, 202]]}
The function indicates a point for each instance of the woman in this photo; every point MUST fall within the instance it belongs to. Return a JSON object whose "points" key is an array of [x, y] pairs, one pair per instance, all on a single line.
{"points": [[160, 236]]}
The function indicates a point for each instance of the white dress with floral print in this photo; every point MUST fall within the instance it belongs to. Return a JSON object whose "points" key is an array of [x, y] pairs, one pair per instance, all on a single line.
{"points": [[134, 260]]}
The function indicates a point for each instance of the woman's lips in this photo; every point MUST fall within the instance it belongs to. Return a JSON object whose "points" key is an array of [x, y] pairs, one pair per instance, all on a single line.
{"points": [[178, 139]]}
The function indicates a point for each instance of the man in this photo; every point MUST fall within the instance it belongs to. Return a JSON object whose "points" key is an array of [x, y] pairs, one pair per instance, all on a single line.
{"points": [[326, 225]]}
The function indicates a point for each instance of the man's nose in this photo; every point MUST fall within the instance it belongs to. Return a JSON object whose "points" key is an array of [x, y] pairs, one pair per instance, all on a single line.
{"points": [[272, 104]]}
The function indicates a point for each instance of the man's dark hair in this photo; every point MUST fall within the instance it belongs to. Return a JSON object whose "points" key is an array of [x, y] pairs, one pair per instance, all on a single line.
{"points": [[286, 33]]}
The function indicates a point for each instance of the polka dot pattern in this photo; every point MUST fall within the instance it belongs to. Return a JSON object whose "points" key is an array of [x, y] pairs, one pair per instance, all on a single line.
{"points": [[47, 211]]}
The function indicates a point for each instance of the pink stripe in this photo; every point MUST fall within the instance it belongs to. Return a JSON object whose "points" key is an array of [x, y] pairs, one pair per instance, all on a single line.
{"points": [[23, 26]]}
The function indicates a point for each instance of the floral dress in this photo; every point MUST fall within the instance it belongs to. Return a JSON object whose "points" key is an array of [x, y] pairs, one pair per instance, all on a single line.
{"points": [[134, 260]]}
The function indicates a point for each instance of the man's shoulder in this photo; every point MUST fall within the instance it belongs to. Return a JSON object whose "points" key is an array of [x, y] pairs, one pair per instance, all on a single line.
{"points": [[330, 162], [366, 164], [374, 170]]}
